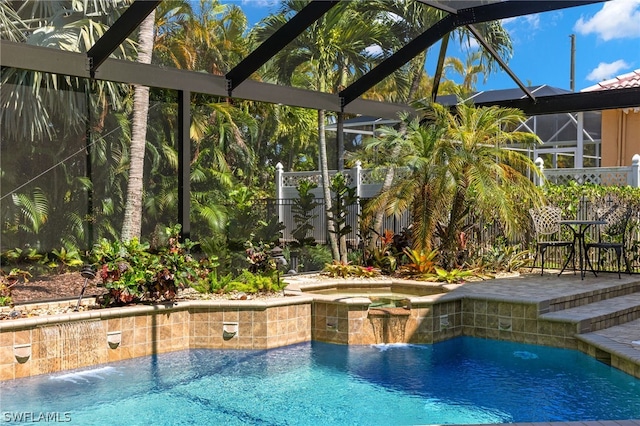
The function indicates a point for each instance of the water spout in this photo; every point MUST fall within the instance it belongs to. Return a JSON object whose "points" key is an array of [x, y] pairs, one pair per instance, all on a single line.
{"points": [[389, 324], [71, 345]]}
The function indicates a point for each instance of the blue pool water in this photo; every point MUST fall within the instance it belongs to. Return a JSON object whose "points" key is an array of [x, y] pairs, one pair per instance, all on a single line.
{"points": [[464, 380]]}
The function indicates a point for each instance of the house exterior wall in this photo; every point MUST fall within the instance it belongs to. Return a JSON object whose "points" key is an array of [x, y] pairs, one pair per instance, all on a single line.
{"points": [[620, 136]]}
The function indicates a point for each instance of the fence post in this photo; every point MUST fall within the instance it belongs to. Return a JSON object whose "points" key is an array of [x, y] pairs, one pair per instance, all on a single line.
{"points": [[279, 178], [356, 177], [540, 165], [635, 171]]}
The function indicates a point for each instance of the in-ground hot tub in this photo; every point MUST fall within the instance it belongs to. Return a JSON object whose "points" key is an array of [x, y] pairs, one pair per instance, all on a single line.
{"points": [[373, 311]]}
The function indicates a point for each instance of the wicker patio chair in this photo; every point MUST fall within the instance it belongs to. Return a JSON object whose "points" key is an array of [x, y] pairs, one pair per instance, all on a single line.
{"points": [[546, 223], [612, 235]]}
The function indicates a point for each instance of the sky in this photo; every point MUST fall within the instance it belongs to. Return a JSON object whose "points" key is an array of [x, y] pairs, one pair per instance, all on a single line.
{"points": [[607, 39]]}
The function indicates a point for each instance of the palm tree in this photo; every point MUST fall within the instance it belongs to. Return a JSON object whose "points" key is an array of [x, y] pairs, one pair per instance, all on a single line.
{"points": [[456, 162], [408, 19], [208, 38], [49, 115], [329, 52], [468, 70], [132, 222]]}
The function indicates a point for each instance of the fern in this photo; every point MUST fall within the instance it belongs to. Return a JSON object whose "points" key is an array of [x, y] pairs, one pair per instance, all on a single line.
{"points": [[34, 209]]}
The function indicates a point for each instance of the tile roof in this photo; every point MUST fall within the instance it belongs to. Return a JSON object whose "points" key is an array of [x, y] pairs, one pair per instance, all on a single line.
{"points": [[624, 81]]}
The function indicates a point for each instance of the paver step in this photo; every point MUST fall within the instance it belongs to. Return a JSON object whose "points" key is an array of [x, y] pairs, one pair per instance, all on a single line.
{"points": [[620, 341], [587, 297], [600, 315]]}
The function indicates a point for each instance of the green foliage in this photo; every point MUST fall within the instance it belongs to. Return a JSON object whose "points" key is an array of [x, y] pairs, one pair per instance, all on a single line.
{"points": [[355, 257], [502, 257], [385, 260], [302, 210], [131, 272], [34, 209], [343, 197], [569, 197], [174, 267], [269, 230], [18, 256], [212, 283], [259, 257], [313, 258], [66, 260], [453, 276], [123, 269], [341, 269], [251, 283], [385, 255], [8, 280], [28, 259], [248, 220], [420, 262], [5, 293]]}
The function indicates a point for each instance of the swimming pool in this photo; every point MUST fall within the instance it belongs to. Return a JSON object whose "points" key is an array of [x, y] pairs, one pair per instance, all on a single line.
{"points": [[464, 380]]}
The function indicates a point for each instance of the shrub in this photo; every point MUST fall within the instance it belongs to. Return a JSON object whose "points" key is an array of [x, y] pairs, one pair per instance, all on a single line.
{"points": [[212, 283], [346, 269], [131, 272], [249, 282]]}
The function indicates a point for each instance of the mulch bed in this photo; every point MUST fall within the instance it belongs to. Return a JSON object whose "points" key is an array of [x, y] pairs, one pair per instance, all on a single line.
{"points": [[54, 287]]}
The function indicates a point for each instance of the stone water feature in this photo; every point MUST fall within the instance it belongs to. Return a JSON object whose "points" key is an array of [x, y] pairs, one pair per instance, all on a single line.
{"points": [[380, 311], [389, 317], [65, 346]]}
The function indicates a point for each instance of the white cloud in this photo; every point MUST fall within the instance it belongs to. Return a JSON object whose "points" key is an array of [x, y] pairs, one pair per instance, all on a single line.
{"points": [[473, 44], [374, 50], [522, 27], [606, 71], [616, 19], [261, 3], [530, 22]]}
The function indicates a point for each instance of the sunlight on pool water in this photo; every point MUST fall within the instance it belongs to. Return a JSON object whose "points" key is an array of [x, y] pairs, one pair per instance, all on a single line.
{"points": [[464, 380]]}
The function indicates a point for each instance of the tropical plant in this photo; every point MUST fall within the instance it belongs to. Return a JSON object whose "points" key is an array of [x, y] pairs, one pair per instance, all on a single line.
{"points": [[502, 257], [383, 255], [457, 160], [302, 211], [259, 257], [248, 282], [420, 262], [18, 256], [346, 269], [323, 56], [452, 276], [66, 259], [7, 281], [340, 269], [407, 19], [315, 257], [132, 222], [122, 266], [344, 197], [213, 283], [59, 111]]}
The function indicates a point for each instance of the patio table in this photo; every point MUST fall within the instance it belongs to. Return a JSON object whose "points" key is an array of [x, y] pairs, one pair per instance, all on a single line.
{"points": [[579, 229]]}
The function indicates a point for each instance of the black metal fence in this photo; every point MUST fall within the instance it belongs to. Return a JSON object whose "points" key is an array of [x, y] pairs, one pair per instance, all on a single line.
{"points": [[481, 236]]}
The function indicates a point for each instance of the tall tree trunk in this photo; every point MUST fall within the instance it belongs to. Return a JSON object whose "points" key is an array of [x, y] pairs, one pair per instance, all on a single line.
{"points": [[379, 216], [386, 184], [419, 63], [326, 190], [388, 179], [132, 224]]}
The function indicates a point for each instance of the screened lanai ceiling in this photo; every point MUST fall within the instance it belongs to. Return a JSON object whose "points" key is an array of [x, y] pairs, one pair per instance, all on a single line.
{"points": [[237, 82]]}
